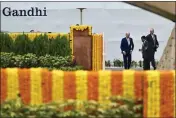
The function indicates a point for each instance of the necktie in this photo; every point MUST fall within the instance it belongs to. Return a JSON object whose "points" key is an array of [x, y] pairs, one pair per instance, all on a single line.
{"points": [[153, 39]]}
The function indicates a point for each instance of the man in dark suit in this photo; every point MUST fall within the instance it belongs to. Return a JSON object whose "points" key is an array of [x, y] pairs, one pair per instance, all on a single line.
{"points": [[145, 53], [127, 47], [152, 45]]}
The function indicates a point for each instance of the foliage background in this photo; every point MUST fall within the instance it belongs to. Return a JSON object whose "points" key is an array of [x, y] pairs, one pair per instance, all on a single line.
{"points": [[118, 107], [42, 51], [40, 45]]}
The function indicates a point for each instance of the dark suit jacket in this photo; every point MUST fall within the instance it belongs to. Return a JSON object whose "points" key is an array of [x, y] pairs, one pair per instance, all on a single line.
{"points": [[145, 49], [150, 39], [151, 46], [125, 47]]}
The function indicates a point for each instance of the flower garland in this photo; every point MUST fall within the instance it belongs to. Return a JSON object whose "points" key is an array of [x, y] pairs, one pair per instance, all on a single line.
{"points": [[57, 91], [117, 83], [37, 86], [138, 84], [153, 103], [97, 52], [36, 89], [92, 84], [52, 35], [174, 92], [93, 53], [14, 35], [25, 86], [81, 87], [128, 83], [12, 83], [33, 35], [46, 86], [167, 94], [95, 61], [3, 85], [104, 87], [101, 52], [69, 85]]}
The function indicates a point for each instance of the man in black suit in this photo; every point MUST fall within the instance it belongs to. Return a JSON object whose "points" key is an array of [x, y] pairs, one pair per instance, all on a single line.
{"points": [[145, 53], [127, 47], [152, 45]]}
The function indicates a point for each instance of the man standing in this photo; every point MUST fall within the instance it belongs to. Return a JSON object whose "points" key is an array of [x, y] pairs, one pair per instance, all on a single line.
{"points": [[152, 45], [127, 47], [145, 53]]}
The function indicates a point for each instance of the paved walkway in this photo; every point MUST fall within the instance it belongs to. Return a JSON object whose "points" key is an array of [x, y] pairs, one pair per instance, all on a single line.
{"points": [[120, 68]]}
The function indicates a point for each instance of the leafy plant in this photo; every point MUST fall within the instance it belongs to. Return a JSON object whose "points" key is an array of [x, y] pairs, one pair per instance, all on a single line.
{"points": [[31, 60], [118, 107], [22, 45], [117, 63], [6, 43], [41, 45], [108, 63]]}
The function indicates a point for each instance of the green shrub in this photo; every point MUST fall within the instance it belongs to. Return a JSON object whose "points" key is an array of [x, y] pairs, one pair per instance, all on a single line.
{"points": [[41, 45], [31, 60], [6, 43], [22, 45], [118, 108]]}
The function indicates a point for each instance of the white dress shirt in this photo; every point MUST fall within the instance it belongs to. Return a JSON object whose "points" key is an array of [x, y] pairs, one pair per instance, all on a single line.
{"points": [[153, 38], [128, 40]]}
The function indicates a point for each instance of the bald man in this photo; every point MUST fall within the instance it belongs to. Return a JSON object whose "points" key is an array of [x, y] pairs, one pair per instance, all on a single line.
{"points": [[127, 47], [152, 45]]}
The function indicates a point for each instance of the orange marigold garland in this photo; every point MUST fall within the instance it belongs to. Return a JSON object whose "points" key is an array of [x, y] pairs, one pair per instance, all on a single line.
{"points": [[116, 83], [167, 94], [145, 93], [46, 86], [3, 94], [138, 85], [69, 87], [24, 85], [93, 86]]}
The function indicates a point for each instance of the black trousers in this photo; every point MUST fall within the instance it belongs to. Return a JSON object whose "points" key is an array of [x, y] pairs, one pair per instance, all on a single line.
{"points": [[127, 60], [153, 62], [146, 64]]}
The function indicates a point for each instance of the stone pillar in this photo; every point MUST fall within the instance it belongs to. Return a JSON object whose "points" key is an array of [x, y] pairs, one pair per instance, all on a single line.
{"points": [[167, 61]]}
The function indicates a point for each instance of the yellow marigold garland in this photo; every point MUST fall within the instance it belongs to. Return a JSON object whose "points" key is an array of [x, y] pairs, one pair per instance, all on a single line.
{"points": [[128, 83], [81, 87], [52, 35], [36, 88], [97, 51], [153, 94], [93, 52], [57, 85], [14, 35], [12, 83], [104, 87]]}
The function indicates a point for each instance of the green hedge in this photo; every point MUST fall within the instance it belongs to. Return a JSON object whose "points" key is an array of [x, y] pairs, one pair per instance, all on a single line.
{"points": [[40, 46], [118, 108], [31, 60]]}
